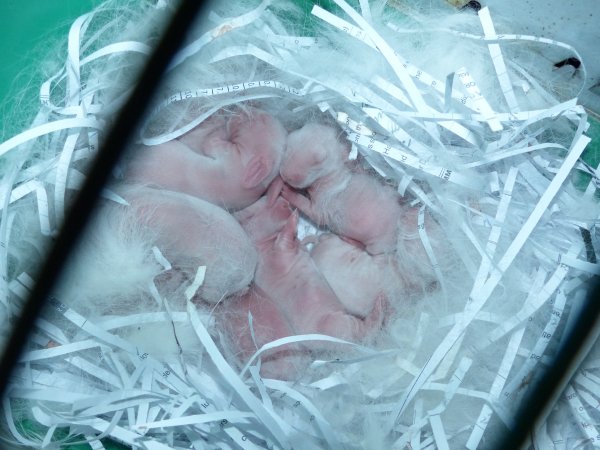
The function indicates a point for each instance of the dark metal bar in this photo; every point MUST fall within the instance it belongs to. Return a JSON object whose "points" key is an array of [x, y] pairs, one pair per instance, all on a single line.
{"points": [[543, 394], [81, 211]]}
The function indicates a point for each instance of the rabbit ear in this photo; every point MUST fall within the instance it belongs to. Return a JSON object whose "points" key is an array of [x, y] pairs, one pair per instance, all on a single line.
{"points": [[286, 239], [255, 172], [274, 190]]}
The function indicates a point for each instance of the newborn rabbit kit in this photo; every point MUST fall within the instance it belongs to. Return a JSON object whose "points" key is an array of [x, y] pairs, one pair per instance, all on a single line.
{"points": [[346, 227]]}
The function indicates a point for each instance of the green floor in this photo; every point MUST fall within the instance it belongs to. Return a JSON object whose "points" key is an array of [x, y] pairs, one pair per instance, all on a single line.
{"points": [[591, 155], [24, 31]]}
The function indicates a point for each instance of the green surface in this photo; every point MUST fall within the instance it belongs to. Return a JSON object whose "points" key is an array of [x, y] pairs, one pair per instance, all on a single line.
{"points": [[30, 31], [591, 155], [61, 435], [592, 152]]}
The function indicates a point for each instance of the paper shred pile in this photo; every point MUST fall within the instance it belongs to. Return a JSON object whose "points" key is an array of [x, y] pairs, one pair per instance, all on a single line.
{"points": [[468, 129]]}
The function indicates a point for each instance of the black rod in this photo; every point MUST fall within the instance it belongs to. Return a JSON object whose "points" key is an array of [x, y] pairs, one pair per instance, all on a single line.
{"points": [[119, 136], [545, 391]]}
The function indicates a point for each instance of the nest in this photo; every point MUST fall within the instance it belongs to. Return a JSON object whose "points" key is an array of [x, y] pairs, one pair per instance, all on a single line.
{"points": [[456, 117]]}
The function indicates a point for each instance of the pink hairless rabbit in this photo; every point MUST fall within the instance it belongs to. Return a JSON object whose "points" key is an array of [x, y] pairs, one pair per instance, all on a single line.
{"points": [[350, 203], [192, 232], [286, 272], [262, 221], [290, 295], [359, 279], [267, 324], [228, 160]]}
